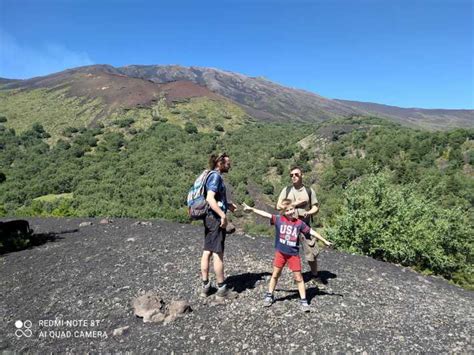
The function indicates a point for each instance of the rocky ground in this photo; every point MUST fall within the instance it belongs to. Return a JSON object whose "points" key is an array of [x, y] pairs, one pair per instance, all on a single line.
{"points": [[77, 288]]}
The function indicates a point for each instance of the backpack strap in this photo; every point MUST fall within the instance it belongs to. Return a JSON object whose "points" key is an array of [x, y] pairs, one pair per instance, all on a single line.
{"points": [[205, 182], [288, 189], [308, 191]]}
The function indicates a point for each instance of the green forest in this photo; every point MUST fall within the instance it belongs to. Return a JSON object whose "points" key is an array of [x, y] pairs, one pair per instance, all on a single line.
{"points": [[394, 193]]}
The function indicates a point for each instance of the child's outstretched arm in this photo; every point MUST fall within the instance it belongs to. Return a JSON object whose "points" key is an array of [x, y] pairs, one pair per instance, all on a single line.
{"points": [[318, 236], [247, 208]]}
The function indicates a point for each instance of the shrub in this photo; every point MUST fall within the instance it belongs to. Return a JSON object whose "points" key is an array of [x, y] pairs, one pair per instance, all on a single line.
{"points": [[190, 128], [124, 122], [285, 153], [69, 131], [396, 224], [268, 188], [13, 238]]}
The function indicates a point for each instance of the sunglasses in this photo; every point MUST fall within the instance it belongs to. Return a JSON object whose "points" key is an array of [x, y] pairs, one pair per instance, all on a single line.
{"points": [[295, 174]]}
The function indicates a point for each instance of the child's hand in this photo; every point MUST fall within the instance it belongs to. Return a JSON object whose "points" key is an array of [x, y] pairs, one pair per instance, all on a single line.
{"points": [[246, 207]]}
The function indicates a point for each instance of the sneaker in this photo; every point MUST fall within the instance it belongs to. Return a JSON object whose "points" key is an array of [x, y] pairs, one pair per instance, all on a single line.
{"points": [[225, 292], [268, 300], [305, 307], [205, 290]]}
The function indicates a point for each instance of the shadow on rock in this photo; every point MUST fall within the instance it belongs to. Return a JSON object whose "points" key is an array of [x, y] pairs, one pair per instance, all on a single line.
{"points": [[311, 292], [242, 282], [324, 276], [17, 235]]}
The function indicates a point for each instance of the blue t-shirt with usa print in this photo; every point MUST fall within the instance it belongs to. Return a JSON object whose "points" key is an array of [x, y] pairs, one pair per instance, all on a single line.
{"points": [[287, 232]]}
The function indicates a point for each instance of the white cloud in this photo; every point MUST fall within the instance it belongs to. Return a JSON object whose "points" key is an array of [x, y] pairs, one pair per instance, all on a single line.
{"points": [[18, 61]]}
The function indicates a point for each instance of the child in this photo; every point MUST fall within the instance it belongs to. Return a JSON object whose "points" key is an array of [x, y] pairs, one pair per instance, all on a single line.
{"points": [[287, 229]]}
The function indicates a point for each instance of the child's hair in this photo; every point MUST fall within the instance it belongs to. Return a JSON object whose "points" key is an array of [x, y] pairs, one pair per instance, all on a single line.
{"points": [[285, 204]]}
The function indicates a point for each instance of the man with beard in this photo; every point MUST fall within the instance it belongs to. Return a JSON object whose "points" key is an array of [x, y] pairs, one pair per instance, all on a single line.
{"points": [[215, 223]]}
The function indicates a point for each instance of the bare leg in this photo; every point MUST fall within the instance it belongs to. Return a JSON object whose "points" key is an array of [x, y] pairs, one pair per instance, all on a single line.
{"points": [[313, 265], [300, 283], [309, 253], [273, 281], [218, 262], [206, 257]]}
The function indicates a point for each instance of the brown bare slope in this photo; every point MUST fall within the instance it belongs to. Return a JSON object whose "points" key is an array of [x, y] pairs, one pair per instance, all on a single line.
{"points": [[115, 89]]}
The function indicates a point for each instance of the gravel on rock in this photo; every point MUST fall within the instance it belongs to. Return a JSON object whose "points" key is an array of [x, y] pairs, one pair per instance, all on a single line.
{"points": [[74, 294]]}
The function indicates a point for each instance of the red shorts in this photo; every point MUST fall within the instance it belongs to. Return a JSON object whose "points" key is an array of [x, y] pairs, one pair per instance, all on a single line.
{"points": [[294, 261]]}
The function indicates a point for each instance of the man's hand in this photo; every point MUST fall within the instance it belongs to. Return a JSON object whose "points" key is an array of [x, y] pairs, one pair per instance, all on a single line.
{"points": [[329, 244], [232, 207], [298, 203], [223, 222]]}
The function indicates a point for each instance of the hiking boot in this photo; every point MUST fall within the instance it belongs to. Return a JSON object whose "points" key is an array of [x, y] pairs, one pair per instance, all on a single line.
{"points": [[205, 290], [268, 300], [224, 292], [305, 307]]}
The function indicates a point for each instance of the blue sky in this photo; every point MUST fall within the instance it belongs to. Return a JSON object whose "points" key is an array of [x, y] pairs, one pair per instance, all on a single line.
{"points": [[409, 53]]}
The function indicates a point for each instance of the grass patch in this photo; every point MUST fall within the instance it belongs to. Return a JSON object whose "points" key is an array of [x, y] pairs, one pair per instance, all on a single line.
{"points": [[53, 197]]}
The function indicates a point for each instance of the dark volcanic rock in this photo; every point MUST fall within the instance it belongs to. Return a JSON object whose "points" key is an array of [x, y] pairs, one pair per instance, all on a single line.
{"points": [[76, 290]]}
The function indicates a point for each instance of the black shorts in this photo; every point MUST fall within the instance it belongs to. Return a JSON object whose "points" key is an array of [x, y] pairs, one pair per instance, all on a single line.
{"points": [[214, 235]]}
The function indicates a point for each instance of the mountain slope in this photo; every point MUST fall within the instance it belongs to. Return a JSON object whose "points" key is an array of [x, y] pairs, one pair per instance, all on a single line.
{"points": [[269, 101], [140, 85], [100, 94], [261, 98], [426, 118]]}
